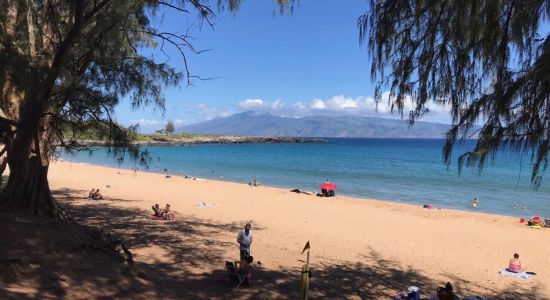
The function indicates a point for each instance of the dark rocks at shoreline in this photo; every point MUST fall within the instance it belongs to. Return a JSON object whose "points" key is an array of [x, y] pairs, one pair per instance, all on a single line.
{"points": [[167, 141]]}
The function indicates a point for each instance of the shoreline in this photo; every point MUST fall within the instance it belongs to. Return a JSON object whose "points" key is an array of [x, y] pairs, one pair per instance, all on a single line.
{"points": [[393, 245], [351, 196], [206, 139], [359, 199]]}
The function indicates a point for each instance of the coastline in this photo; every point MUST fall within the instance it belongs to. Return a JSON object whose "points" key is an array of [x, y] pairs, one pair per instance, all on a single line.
{"points": [[466, 248], [287, 189], [206, 139], [467, 209]]}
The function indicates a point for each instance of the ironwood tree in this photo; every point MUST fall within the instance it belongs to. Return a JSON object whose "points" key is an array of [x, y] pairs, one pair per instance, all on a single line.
{"points": [[170, 128], [64, 65], [487, 60]]}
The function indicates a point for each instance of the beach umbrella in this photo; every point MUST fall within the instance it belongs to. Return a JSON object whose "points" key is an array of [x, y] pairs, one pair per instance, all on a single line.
{"points": [[329, 186]]}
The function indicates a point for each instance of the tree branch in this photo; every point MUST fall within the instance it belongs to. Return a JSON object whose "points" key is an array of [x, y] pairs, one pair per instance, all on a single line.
{"points": [[173, 6], [8, 31]]}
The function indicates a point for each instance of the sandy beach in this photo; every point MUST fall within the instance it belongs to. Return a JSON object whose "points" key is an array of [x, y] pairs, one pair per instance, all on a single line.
{"points": [[360, 248]]}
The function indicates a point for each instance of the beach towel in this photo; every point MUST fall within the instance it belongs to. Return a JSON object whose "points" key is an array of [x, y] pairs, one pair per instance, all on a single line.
{"points": [[521, 275], [161, 218]]}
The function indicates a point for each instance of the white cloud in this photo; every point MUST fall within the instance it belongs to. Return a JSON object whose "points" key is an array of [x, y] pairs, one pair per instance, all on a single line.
{"points": [[300, 106], [259, 104], [251, 104], [207, 112], [318, 104], [342, 102], [145, 122], [149, 125], [336, 105], [344, 105], [278, 104], [201, 106]]}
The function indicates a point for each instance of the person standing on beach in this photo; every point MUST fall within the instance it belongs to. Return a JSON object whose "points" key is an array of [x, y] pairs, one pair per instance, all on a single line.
{"points": [[244, 238]]}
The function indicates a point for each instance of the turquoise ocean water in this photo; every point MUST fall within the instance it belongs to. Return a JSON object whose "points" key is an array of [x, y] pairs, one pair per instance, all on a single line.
{"points": [[401, 170]]}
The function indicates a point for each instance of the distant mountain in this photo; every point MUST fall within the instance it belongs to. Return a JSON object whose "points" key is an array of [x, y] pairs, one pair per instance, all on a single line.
{"points": [[264, 124]]}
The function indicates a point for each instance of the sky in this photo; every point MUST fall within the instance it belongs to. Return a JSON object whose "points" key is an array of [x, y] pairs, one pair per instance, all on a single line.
{"points": [[305, 63]]}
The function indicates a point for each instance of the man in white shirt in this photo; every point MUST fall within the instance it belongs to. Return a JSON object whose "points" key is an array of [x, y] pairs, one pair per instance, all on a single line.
{"points": [[244, 238]]}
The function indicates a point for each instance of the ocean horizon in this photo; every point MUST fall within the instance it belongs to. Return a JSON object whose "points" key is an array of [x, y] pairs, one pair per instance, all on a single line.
{"points": [[400, 170]]}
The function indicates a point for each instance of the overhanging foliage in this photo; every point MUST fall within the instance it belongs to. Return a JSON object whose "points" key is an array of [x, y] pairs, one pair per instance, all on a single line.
{"points": [[488, 60]]}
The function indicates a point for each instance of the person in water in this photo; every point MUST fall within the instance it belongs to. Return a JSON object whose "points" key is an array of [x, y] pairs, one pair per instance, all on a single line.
{"points": [[515, 264], [475, 203]]}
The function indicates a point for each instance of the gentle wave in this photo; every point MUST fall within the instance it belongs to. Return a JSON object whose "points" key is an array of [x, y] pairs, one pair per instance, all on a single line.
{"points": [[403, 170]]}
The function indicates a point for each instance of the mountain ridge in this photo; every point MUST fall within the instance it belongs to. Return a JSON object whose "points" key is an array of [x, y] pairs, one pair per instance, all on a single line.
{"points": [[252, 123]]}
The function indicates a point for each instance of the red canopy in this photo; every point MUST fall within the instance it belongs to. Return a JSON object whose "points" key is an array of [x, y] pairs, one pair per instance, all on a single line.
{"points": [[329, 186]]}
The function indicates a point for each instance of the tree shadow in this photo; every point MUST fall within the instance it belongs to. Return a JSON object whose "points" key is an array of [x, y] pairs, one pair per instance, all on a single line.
{"points": [[183, 259], [185, 239], [43, 259]]}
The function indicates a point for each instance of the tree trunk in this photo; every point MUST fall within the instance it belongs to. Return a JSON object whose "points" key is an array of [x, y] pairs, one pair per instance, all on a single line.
{"points": [[26, 100], [28, 188], [3, 164], [28, 153]]}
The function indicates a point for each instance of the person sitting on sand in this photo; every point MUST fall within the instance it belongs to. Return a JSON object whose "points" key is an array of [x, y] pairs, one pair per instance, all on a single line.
{"points": [[91, 193], [475, 203], [245, 269], [97, 195], [166, 213], [157, 212], [446, 293], [515, 265]]}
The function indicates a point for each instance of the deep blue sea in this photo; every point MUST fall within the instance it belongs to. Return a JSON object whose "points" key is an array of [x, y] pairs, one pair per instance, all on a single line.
{"points": [[401, 170]]}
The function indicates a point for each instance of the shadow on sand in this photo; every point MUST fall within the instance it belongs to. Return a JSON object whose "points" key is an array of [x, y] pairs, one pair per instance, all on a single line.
{"points": [[54, 259]]}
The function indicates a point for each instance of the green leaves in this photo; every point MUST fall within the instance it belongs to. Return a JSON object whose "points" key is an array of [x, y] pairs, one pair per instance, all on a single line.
{"points": [[170, 128], [485, 60]]}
